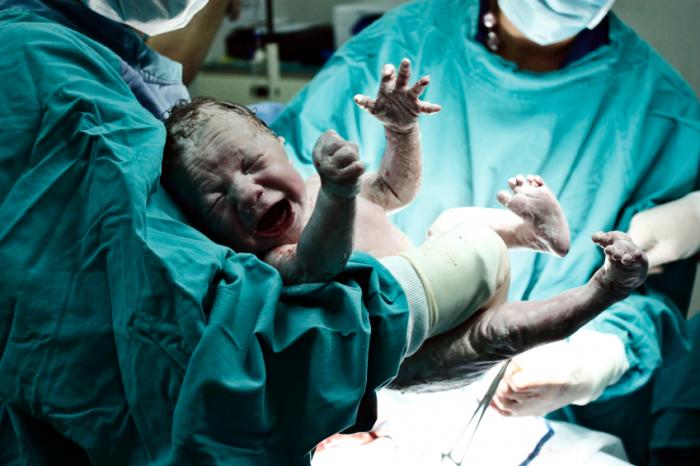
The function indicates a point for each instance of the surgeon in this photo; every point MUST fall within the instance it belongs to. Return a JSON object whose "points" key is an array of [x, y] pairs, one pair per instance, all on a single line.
{"points": [[669, 233], [562, 88], [127, 337], [189, 45]]}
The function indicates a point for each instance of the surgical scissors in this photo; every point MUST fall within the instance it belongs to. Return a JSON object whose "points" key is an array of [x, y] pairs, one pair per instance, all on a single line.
{"points": [[449, 458]]}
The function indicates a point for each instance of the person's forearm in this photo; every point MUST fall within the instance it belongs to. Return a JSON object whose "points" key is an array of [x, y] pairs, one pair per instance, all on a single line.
{"points": [[325, 244], [399, 178]]}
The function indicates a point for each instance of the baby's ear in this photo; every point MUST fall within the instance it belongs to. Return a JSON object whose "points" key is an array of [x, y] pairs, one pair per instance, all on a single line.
{"points": [[281, 140]]}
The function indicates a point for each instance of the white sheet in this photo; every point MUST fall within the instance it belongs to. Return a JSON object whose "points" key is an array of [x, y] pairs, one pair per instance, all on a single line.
{"points": [[416, 429]]}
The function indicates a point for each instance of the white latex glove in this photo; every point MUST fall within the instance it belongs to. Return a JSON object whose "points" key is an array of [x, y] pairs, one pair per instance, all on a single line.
{"points": [[552, 376], [668, 232]]}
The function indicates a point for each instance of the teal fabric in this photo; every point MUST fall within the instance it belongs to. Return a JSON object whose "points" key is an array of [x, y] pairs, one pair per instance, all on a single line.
{"points": [[127, 337], [155, 80], [676, 408], [613, 133]]}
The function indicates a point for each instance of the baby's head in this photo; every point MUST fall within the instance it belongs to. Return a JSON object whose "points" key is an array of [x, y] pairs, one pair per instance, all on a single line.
{"points": [[231, 174]]}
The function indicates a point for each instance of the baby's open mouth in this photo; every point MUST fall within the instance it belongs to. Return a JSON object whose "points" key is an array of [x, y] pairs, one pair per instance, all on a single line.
{"points": [[276, 221]]}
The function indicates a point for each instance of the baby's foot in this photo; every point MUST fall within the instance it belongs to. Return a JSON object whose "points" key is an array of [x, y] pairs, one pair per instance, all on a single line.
{"points": [[625, 265], [544, 225]]}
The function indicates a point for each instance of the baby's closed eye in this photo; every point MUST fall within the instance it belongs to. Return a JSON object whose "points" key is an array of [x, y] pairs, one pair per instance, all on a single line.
{"points": [[252, 164], [214, 199]]}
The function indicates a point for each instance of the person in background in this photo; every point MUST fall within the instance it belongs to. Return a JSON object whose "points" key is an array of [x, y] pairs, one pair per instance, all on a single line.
{"points": [[564, 89], [128, 337], [190, 44], [669, 233]]}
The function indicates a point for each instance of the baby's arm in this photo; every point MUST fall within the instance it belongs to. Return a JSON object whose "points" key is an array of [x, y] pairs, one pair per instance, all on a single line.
{"points": [[397, 106], [327, 240]]}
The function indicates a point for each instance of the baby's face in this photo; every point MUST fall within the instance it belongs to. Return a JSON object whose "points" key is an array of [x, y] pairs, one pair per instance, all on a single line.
{"points": [[247, 191]]}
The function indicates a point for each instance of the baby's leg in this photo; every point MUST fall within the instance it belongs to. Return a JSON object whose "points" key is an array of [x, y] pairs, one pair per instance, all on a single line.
{"points": [[625, 269], [535, 219], [470, 349]]}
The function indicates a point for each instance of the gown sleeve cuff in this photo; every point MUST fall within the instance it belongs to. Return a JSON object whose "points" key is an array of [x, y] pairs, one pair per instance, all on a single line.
{"points": [[412, 287]]}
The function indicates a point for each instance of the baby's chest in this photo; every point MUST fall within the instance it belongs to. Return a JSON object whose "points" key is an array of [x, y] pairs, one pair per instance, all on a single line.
{"points": [[375, 234]]}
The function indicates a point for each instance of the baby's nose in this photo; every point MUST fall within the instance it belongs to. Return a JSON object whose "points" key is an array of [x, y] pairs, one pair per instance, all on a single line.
{"points": [[248, 197]]}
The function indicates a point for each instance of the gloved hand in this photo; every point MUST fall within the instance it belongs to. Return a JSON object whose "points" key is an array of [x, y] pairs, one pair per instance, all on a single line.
{"points": [[557, 374], [668, 232]]}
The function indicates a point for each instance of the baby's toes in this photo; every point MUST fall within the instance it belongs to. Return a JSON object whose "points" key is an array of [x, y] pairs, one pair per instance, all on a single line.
{"points": [[602, 239], [516, 183], [504, 197], [628, 259], [633, 254], [535, 180], [613, 253]]}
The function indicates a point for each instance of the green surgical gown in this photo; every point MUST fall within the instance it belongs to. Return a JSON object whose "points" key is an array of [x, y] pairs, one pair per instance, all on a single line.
{"points": [[613, 133], [127, 337]]}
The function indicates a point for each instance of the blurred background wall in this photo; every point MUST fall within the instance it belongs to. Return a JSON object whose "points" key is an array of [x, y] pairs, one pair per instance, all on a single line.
{"points": [[671, 26]]}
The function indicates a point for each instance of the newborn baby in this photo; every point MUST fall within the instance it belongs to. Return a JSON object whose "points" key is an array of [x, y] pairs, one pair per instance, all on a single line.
{"points": [[230, 173]]}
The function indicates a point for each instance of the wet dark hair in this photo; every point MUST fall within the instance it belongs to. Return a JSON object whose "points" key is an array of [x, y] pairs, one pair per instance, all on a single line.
{"points": [[183, 118], [182, 121]]}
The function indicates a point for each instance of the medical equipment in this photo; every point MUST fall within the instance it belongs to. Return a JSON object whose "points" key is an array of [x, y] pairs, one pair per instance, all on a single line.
{"points": [[450, 457]]}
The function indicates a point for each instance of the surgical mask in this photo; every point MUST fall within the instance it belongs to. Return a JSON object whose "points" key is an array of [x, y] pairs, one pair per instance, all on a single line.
{"points": [[550, 21], [152, 17]]}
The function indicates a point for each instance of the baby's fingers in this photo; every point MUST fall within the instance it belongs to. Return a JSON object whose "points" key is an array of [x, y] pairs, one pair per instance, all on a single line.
{"points": [[344, 157], [427, 107], [420, 86], [352, 172], [404, 74], [365, 102], [345, 176], [388, 78]]}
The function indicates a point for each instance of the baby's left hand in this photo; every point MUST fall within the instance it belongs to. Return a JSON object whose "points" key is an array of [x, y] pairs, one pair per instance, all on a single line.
{"points": [[397, 105], [338, 164]]}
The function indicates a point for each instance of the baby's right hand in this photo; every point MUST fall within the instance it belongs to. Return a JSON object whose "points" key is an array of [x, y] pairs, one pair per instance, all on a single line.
{"points": [[338, 165]]}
